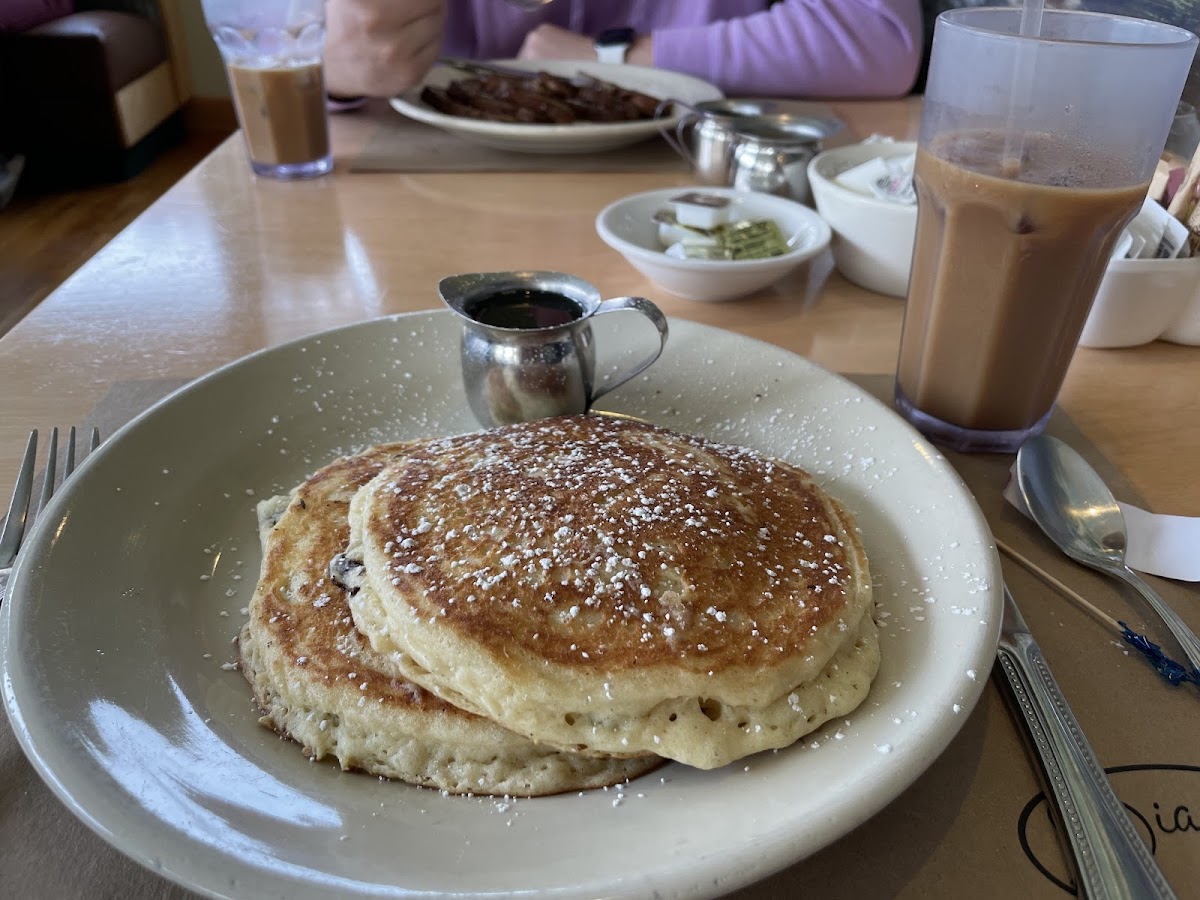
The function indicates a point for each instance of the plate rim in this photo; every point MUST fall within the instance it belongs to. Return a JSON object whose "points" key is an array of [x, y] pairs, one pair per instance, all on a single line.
{"points": [[708, 877]]}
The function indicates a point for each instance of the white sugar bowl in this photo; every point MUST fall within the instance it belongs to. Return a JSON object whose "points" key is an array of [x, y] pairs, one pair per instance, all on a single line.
{"points": [[872, 238]]}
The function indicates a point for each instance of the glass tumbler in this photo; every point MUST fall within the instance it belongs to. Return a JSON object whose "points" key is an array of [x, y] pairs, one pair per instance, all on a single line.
{"points": [[273, 53], [1034, 153]]}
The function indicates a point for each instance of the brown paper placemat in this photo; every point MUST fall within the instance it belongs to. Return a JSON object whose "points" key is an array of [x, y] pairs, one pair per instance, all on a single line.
{"points": [[401, 144], [974, 825]]}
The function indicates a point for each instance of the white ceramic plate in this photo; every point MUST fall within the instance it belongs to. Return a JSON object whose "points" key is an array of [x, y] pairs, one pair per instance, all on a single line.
{"points": [[578, 137], [116, 637]]}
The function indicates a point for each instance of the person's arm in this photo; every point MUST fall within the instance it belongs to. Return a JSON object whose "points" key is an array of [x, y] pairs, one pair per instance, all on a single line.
{"points": [[378, 48], [803, 48]]}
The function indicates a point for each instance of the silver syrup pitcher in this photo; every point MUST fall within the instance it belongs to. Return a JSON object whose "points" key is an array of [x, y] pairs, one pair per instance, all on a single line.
{"points": [[527, 346]]}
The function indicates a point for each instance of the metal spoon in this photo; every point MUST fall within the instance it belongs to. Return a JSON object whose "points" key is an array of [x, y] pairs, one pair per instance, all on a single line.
{"points": [[1073, 505]]}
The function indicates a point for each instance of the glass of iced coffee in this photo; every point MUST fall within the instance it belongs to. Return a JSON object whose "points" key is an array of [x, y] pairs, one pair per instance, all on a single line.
{"points": [[1034, 153], [273, 55]]}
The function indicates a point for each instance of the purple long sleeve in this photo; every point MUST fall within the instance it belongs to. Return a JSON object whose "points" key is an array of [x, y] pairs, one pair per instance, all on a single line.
{"points": [[797, 48], [803, 48]]}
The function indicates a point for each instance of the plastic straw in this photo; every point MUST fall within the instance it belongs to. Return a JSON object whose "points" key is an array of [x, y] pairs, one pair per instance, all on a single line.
{"points": [[1022, 86]]}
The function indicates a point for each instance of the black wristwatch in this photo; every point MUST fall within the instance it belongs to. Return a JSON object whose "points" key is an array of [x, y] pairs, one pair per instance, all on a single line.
{"points": [[613, 43]]}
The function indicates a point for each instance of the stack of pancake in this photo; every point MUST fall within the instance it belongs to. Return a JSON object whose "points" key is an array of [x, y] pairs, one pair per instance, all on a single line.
{"points": [[556, 605]]}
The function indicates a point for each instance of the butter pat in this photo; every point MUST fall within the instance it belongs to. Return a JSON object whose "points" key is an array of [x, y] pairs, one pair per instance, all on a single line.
{"points": [[693, 250], [671, 232], [698, 210], [756, 239]]}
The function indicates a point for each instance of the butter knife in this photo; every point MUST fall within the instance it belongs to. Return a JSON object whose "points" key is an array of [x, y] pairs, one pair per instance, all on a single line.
{"points": [[1112, 862]]}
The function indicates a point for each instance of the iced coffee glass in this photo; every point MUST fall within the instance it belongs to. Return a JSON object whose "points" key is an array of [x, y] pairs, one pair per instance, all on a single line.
{"points": [[273, 55], [1034, 154]]}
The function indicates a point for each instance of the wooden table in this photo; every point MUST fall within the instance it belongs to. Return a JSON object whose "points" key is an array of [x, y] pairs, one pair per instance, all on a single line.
{"points": [[225, 264]]}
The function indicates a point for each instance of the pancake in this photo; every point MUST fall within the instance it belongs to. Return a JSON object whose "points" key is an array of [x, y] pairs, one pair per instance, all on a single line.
{"points": [[318, 681], [607, 586]]}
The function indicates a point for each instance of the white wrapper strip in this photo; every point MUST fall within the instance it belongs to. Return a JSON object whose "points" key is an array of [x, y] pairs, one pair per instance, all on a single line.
{"points": [[1158, 544], [1163, 545]]}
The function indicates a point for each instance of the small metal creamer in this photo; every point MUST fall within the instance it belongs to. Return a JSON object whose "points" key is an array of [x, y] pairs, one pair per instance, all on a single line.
{"points": [[756, 145], [704, 136], [773, 157], [530, 363]]}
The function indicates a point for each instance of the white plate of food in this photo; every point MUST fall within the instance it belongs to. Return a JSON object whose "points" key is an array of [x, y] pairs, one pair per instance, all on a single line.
{"points": [[576, 137], [118, 670]]}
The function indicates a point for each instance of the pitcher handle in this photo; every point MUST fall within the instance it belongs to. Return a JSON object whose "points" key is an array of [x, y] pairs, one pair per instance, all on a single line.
{"points": [[651, 312], [674, 136]]}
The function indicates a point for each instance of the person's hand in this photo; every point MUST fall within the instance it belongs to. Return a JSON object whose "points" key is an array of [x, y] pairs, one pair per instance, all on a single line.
{"points": [[378, 48], [552, 42]]}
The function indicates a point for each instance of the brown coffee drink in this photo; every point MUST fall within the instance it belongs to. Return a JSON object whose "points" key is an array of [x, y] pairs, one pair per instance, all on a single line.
{"points": [[282, 113], [1011, 246]]}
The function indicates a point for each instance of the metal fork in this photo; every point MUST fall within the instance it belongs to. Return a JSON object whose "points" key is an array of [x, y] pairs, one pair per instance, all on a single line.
{"points": [[20, 512]]}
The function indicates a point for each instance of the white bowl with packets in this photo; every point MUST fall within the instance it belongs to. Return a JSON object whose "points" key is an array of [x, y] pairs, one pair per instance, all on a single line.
{"points": [[1151, 288], [712, 243], [864, 191]]}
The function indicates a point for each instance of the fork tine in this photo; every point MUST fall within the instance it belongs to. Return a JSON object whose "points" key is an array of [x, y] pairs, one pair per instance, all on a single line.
{"points": [[95, 441], [18, 507], [48, 478], [69, 465]]}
